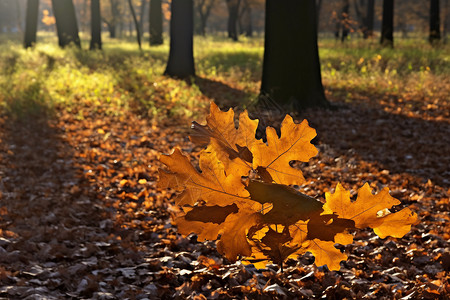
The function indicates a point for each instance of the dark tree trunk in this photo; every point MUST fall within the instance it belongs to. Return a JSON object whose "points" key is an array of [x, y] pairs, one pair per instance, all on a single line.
{"points": [[345, 20], [233, 15], [245, 18], [368, 20], [31, 23], [318, 10], [435, 24], [156, 23], [204, 11], [142, 16], [66, 22], [96, 31], [112, 24], [291, 66], [387, 26], [446, 21], [181, 54], [136, 24]]}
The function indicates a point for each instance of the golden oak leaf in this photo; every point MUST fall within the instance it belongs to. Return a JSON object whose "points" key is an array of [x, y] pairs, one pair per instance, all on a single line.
{"points": [[288, 205], [211, 185], [233, 242], [205, 221], [396, 224], [231, 144], [232, 230], [326, 254], [204, 230], [370, 211], [293, 145]]}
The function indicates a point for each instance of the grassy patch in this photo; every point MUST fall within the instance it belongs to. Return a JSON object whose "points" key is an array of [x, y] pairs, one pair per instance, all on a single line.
{"points": [[121, 77]]}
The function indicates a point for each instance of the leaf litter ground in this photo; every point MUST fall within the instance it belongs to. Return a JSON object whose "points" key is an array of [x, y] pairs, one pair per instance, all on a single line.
{"points": [[80, 215]]}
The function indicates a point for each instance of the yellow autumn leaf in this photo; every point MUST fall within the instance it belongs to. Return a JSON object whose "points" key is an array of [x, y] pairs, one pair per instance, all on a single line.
{"points": [[294, 144], [211, 185]]}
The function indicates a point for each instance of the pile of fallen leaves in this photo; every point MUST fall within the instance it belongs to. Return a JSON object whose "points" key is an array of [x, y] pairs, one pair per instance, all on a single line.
{"points": [[81, 216]]}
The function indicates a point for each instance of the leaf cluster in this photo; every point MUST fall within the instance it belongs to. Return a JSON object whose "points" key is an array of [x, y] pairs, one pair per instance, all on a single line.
{"points": [[243, 197]]}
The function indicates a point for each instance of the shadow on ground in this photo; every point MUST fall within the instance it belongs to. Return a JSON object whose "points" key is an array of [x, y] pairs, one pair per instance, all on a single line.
{"points": [[396, 142]]}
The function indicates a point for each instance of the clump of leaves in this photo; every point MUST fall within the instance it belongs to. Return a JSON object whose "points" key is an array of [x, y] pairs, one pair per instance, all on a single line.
{"points": [[242, 196]]}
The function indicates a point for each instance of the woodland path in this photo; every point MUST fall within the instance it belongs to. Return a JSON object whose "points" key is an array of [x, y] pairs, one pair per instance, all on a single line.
{"points": [[81, 217]]}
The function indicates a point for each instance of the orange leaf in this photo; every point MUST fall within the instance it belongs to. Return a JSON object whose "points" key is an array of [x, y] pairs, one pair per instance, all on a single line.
{"points": [[211, 186], [293, 145]]}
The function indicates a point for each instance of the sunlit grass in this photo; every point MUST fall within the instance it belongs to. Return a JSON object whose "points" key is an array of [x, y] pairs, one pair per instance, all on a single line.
{"points": [[122, 77]]}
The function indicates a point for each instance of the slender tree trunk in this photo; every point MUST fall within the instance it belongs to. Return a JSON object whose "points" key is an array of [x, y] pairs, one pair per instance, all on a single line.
{"points": [[19, 17], [136, 24], [345, 20], [246, 19], [156, 23], [181, 54], [446, 21], [387, 26], [142, 16], [31, 23], [233, 15], [435, 24], [112, 25], [291, 66], [66, 22], [204, 11], [368, 26], [96, 31]]}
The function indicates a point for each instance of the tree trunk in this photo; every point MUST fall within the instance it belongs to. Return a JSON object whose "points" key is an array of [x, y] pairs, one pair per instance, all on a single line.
{"points": [[142, 16], [136, 24], [31, 23], [291, 66], [181, 54], [233, 15], [435, 24], [112, 25], [446, 22], [66, 22], [368, 20], [318, 10], [345, 20], [246, 19], [96, 31], [156, 22], [387, 27]]}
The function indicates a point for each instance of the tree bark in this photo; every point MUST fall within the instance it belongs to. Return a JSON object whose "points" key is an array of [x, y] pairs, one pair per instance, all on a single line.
{"points": [[387, 26], [66, 22], [136, 24], [435, 24], [318, 10], [142, 16], [31, 23], [156, 23], [181, 54], [96, 31], [368, 20], [291, 66], [345, 19], [233, 15], [245, 19]]}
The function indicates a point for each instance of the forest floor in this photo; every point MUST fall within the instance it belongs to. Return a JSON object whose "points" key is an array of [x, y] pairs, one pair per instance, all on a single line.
{"points": [[81, 215]]}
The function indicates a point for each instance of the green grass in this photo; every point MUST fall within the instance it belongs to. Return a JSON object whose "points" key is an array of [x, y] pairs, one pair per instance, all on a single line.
{"points": [[123, 78]]}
